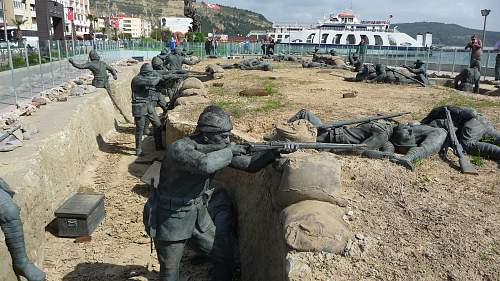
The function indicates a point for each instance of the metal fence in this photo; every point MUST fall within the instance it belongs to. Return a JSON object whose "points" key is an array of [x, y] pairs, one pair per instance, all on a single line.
{"points": [[25, 72]]}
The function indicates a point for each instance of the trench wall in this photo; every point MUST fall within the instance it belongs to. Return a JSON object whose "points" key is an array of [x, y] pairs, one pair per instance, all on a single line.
{"points": [[46, 169]]}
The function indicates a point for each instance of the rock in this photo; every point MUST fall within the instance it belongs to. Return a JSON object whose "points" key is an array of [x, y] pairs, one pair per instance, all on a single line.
{"points": [[62, 99], [40, 100], [297, 269], [192, 100], [254, 93], [352, 94]]}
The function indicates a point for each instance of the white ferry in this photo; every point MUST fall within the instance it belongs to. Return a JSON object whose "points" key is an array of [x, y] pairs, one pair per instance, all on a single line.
{"points": [[346, 29]]}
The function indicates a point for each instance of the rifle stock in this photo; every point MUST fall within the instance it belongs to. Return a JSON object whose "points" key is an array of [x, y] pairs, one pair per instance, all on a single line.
{"points": [[266, 146]]}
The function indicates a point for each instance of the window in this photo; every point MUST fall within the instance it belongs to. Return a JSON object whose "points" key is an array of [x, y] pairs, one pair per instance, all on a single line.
{"points": [[367, 41], [351, 40], [392, 41], [324, 37], [378, 40], [310, 38], [337, 38]]}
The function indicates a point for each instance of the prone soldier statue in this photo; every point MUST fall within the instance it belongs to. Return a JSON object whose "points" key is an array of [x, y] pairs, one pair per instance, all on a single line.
{"points": [[12, 228], [249, 64], [468, 79], [355, 61], [471, 128], [177, 214]]}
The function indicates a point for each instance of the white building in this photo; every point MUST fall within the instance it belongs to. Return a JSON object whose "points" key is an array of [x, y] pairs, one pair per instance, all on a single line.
{"points": [[81, 9], [136, 27], [176, 24], [19, 10]]}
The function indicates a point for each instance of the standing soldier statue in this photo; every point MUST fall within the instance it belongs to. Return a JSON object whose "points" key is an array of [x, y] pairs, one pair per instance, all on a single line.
{"points": [[12, 228], [100, 71]]}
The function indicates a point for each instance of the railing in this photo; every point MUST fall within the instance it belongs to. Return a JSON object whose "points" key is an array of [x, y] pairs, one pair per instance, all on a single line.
{"points": [[43, 66]]}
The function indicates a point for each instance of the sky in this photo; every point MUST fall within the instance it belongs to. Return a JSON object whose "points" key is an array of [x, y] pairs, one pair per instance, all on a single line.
{"points": [[463, 12]]}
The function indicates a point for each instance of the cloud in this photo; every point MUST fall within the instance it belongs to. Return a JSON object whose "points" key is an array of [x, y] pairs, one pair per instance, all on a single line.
{"points": [[463, 12]]}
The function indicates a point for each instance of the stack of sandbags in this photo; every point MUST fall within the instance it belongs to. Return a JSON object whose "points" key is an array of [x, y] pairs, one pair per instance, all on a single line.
{"points": [[192, 91], [309, 194], [215, 71]]}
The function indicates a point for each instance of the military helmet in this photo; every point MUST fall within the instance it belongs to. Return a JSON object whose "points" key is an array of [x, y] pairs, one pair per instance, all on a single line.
{"points": [[146, 68], [164, 52], [419, 62], [355, 55], [177, 51], [93, 55], [403, 136], [157, 63], [214, 120]]}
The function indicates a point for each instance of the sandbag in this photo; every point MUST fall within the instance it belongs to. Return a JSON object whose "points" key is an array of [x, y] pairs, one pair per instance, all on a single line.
{"points": [[254, 92], [192, 100], [213, 68], [194, 92], [298, 131], [338, 62], [313, 226], [192, 83], [308, 176]]}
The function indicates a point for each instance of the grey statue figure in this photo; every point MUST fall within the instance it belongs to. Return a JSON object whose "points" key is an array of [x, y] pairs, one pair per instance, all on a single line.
{"points": [[374, 134], [177, 214], [468, 79], [367, 72], [419, 70], [385, 75], [471, 126], [310, 64], [249, 64], [99, 69], [355, 61], [176, 59], [12, 228], [416, 142], [144, 92]]}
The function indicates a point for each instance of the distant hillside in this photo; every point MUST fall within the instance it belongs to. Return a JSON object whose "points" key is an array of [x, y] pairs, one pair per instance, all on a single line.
{"points": [[227, 20], [447, 34]]}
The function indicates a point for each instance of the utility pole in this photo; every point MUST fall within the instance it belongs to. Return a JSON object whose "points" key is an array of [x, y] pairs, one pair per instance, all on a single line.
{"points": [[485, 14]]}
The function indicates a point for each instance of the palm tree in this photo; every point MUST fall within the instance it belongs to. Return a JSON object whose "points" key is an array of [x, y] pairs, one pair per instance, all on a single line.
{"points": [[92, 19], [19, 33]]}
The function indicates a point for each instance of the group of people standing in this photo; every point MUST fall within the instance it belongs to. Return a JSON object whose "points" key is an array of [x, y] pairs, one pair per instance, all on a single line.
{"points": [[211, 46]]}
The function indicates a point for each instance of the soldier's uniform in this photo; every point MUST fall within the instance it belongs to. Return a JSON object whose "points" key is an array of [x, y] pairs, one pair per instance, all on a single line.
{"points": [[374, 134], [12, 227], [367, 72], [177, 214], [249, 64], [420, 71], [471, 128], [388, 76], [176, 59], [468, 79], [416, 142], [144, 93], [99, 69]]}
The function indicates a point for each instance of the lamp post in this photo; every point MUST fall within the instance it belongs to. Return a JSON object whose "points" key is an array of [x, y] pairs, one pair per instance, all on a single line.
{"points": [[484, 13]]}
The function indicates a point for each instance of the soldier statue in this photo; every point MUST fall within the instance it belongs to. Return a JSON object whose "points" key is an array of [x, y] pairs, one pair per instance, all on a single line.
{"points": [[163, 55], [144, 92], [12, 228], [176, 59], [177, 214], [367, 72], [420, 71], [387, 75], [249, 64], [374, 134], [416, 142], [468, 79], [355, 61], [310, 64], [99, 69], [471, 126]]}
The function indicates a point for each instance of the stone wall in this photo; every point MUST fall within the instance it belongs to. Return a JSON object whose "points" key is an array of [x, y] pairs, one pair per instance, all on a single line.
{"points": [[46, 169]]}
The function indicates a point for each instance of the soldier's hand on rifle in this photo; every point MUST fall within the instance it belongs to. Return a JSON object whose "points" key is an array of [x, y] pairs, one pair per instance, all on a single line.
{"points": [[238, 149], [115, 77], [289, 148], [403, 162]]}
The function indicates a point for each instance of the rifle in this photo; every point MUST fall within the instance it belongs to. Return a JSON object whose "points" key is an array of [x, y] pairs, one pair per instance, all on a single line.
{"points": [[465, 166], [273, 145], [361, 120], [406, 76], [9, 132]]}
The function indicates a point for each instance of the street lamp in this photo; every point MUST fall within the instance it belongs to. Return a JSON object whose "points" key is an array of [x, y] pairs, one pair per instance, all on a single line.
{"points": [[484, 13]]}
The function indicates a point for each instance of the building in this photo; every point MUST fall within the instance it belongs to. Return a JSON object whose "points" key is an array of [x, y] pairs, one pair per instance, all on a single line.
{"points": [[136, 27], [19, 10], [81, 10]]}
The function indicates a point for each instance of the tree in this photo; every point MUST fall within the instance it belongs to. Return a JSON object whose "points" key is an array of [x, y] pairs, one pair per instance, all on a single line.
{"points": [[93, 20], [161, 34], [19, 32]]}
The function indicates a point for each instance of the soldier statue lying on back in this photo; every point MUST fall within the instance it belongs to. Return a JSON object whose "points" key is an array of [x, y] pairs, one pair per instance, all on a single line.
{"points": [[177, 214], [471, 128], [12, 228], [249, 64], [468, 79]]}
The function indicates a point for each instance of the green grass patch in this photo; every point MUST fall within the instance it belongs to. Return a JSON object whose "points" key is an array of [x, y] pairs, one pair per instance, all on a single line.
{"points": [[477, 160], [458, 99], [488, 139]]}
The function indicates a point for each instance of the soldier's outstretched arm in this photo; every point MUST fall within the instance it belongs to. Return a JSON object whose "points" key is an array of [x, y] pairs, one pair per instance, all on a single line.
{"points": [[255, 162], [188, 158], [79, 65]]}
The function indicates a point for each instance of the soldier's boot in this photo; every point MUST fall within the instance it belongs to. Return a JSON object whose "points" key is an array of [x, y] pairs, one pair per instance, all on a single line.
{"points": [[306, 115], [158, 139], [138, 145], [407, 161], [223, 271], [14, 238]]}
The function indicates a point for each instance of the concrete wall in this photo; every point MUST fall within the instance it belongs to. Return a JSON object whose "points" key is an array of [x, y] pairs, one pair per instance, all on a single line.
{"points": [[46, 169]]}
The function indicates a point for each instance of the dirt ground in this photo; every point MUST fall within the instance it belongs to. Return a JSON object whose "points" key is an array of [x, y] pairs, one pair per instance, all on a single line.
{"points": [[431, 224]]}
